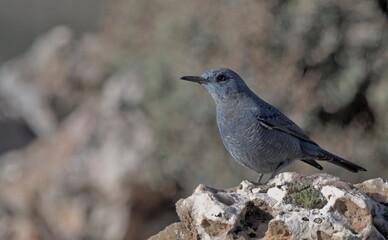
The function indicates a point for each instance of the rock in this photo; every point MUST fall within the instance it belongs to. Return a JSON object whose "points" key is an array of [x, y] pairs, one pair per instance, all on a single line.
{"points": [[53, 77], [81, 178], [76, 183], [290, 206], [174, 231]]}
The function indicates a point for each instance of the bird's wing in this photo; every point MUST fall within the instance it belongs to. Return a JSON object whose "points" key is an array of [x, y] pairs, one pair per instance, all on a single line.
{"points": [[271, 118]]}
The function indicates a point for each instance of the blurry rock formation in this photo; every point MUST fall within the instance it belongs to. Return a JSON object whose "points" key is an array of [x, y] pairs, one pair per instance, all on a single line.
{"points": [[290, 206], [78, 179]]}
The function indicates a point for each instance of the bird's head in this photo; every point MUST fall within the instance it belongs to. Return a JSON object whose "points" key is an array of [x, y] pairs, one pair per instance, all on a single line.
{"points": [[221, 83]]}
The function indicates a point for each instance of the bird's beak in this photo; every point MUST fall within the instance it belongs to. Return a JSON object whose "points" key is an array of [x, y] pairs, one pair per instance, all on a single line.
{"points": [[196, 79]]}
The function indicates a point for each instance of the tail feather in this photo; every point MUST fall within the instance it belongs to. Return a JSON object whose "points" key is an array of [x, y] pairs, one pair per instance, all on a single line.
{"points": [[334, 159]]}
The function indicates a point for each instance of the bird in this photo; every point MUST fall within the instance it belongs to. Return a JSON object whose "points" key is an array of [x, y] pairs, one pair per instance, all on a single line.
{"points": [[255, 133]]}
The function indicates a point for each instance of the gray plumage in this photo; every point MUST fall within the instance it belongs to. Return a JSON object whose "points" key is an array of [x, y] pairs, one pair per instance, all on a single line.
{"points": [[255, 133]]}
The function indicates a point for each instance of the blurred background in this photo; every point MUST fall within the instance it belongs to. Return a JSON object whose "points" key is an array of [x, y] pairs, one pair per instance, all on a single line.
{"points": [[99, 138]]}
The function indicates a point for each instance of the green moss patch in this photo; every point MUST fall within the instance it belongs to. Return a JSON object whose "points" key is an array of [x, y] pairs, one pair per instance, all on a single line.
{"points": [[305, 197]]}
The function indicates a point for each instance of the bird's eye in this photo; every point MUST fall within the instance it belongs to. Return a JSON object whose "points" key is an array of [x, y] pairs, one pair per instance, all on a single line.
{"points": [[221, 78]]}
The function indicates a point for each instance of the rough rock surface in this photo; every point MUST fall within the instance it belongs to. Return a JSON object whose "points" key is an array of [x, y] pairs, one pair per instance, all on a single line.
{"points": [[290, 206]]}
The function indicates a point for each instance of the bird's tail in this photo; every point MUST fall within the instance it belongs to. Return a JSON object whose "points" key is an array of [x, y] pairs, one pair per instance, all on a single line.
{"points": [[324, 155]]}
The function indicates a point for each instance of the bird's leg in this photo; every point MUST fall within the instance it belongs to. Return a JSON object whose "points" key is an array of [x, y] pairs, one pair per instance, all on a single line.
{"points": [[272, 175], [276, 171], [260, 177]]}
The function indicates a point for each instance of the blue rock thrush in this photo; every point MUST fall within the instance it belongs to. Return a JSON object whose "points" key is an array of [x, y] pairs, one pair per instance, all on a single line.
{"points": [[255, 133]]}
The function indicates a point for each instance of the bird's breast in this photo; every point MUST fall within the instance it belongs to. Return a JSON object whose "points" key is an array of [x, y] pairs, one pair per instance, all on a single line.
{"points": [[253, 145], [240, 134]]}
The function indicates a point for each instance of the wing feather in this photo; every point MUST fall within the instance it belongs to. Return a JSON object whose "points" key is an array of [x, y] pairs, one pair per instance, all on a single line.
{"points": [[273, 119]]}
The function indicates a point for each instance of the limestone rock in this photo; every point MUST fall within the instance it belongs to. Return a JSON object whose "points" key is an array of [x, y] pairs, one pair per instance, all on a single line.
{"points": [[290, 206]]}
